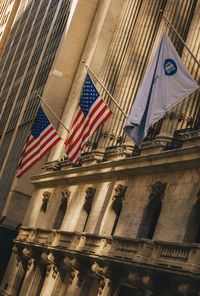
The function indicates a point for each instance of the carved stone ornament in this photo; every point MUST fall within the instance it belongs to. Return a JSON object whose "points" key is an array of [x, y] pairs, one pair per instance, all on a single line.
{"points": [[119, 192], [31, 261], [103, 274], [118, 197], [27, 253], [47, 258], [88, 198], [55, 272], [101, 286], [89, 193], [70, 264], [100, 272], [15, 250], [48, 270], [157, 190], [45, 200], [66, 193], [65, 196]]}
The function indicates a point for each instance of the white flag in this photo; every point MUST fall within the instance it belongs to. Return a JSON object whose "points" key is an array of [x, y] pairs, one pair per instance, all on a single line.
{"points": [[166, 83]]}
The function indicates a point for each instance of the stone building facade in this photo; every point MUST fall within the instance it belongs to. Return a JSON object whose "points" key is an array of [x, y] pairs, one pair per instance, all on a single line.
{"points": [[8, 12], [125, 221]]}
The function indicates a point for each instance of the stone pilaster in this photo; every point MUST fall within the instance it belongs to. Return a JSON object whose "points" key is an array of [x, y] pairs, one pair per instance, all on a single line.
{"points": [[13, 276], [74, 289], [104, 276], [29, 277], [50, 280]]}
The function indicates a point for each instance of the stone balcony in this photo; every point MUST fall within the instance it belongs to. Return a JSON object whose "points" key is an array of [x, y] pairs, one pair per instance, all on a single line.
{"points": [[170, 257]]}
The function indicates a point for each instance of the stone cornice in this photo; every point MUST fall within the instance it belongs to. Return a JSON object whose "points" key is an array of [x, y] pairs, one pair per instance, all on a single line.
{"points": [[176, 159]]}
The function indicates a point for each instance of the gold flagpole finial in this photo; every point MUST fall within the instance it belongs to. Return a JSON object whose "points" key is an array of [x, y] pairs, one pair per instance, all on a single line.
{"points": [[83, 61], [35, 92]]}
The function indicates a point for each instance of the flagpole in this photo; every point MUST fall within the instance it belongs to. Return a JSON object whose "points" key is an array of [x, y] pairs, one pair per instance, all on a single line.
{"points": [[114, 101], [168, 22], [43, 101]]}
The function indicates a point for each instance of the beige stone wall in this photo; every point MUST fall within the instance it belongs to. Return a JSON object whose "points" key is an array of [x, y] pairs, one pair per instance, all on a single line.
{"points": [[180, 194]]}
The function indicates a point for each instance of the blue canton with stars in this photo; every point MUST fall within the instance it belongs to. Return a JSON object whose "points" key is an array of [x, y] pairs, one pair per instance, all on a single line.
{"points": [[88, 96], [40, 123]]}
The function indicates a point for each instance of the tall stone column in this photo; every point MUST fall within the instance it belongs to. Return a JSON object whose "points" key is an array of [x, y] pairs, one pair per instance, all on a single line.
{"points": [[74, 288], [105, 288], [13, 276], [104, 276], [50, 280], [75, 277], [29, 277]]}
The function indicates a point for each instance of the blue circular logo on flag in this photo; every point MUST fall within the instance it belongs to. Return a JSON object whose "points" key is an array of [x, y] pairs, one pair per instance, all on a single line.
{"points": [[170, 67]]}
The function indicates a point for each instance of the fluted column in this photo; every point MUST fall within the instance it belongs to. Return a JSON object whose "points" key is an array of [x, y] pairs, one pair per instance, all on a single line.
{"points": [[50, 280], [13, 276], [127, 60], [74, 289], [133, 45], [29, 277], [183, 16], [106, 290]]}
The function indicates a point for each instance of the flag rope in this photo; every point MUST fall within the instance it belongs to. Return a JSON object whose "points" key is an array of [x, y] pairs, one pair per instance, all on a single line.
{"points": [[168, 22], [114, 101], [43, 101]]}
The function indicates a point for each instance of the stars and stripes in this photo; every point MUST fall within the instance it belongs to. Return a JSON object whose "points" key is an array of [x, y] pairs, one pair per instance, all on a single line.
{"points": [[91, 114], [43, 137]]}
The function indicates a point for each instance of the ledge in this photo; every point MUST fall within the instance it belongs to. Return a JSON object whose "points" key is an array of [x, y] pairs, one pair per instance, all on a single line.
{"points": [[184, 158], [164, 256]]}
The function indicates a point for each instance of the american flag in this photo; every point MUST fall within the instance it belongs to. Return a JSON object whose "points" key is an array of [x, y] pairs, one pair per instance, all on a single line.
{"points": [[92, 112], [43, 137]]}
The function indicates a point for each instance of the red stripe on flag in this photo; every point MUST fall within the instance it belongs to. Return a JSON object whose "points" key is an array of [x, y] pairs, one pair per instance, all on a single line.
{"points": [[36, 144], [37, 159], [87, 135], [40, 147], [83, 128]]}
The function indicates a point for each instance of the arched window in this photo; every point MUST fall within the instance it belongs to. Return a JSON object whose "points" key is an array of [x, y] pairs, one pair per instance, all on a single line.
{"points": [[152, 211], [62, 209], [192, 234]]}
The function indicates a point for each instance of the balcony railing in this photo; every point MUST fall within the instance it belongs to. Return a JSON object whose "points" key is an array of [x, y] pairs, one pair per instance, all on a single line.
{"points": [[185, 257]]}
